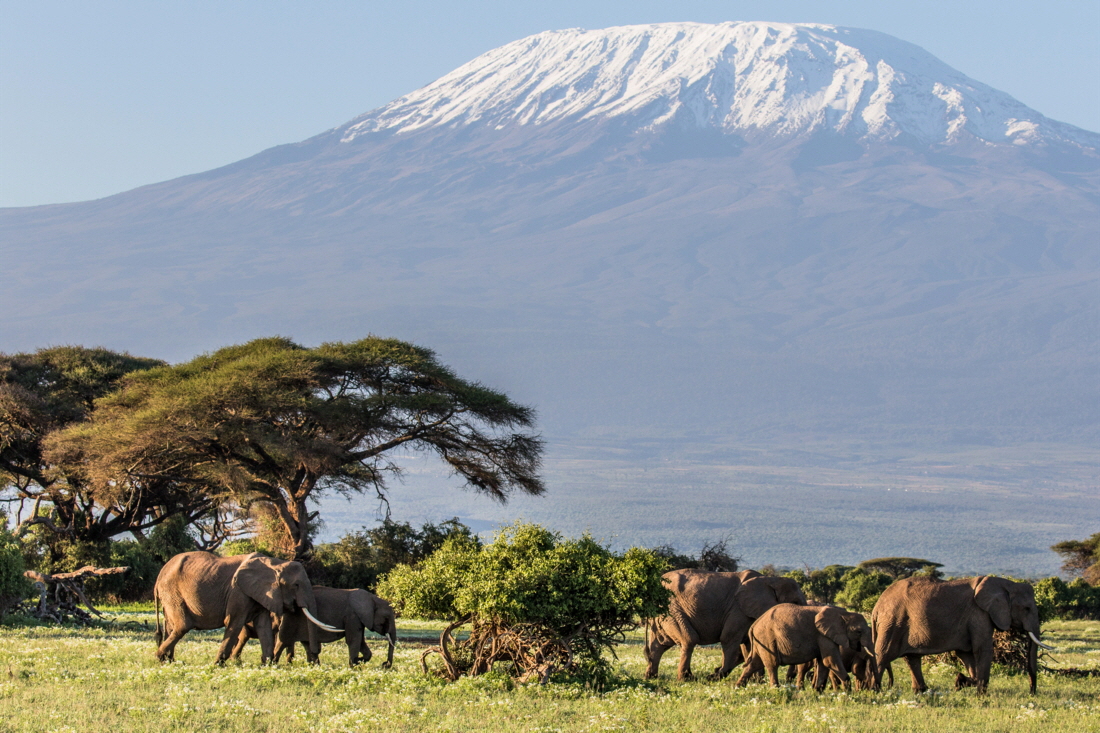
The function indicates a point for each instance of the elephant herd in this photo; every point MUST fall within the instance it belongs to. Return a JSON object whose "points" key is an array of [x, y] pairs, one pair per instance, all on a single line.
{"points": [[766, 622], [254, 596], [763, 621]]}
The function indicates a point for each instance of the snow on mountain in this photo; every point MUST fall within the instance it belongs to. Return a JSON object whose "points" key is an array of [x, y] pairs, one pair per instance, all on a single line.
{"points": [[750, 78]]}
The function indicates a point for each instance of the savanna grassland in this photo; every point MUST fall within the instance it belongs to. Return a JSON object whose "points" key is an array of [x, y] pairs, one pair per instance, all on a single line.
{"points": [[69, 679]]}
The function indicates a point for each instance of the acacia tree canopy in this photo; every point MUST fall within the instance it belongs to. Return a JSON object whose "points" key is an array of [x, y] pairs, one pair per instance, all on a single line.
{"points": [[43, 392], [276, 422]]}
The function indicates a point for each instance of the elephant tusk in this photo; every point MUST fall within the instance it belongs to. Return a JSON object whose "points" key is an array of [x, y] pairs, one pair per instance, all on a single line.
{"points": [[1036, 640], [324, 626]]}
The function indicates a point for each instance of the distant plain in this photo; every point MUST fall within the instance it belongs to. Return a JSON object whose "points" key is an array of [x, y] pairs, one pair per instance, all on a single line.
{"points": [[980, 510]]}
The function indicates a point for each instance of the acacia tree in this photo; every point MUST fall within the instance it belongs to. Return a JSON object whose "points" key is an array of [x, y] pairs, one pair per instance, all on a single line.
{"points": [[47, 391], [278, 423], [1081, 558]]}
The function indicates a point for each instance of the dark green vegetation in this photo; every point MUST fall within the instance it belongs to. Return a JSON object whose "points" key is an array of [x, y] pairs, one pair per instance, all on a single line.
{"points": [[101, 443], [570, 601], [1082, 558]]}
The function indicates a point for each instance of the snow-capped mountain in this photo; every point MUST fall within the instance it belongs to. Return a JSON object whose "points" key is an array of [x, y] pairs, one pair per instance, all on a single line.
{"points": [[675, 241], [773, 79], [830, 227]]}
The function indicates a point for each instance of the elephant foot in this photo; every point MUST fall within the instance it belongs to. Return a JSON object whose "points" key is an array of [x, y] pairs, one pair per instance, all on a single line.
{"points": [[961, 681]]}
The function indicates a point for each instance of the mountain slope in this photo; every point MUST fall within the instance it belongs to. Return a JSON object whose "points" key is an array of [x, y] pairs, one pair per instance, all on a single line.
{"points": [[683, 233]]}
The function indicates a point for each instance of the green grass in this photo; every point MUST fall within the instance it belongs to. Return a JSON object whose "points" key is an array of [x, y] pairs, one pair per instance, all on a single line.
{"points": [[64, 679]]}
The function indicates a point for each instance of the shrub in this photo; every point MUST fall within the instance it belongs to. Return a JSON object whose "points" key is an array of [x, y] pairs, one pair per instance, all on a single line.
{"points": [[715, 556], [530, 589], [862, 589], [1060, 600], [14, 587], [359, 559], [821, 586]]}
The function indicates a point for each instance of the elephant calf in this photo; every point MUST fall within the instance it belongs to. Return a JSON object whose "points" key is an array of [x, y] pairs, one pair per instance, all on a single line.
{"points": [[858, 656], [792, 634], [349, 610]]}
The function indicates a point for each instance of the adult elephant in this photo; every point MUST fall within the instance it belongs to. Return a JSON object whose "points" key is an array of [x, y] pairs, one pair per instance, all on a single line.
{"points": [[918, 616], [201, 590], [713, 608], [349, 610]]}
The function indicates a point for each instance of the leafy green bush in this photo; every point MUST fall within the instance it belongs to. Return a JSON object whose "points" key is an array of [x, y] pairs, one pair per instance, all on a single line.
{"points": [[13, 586], [862, 589], [531, 581], [821, 586], [1060, 600], [359, 559]]}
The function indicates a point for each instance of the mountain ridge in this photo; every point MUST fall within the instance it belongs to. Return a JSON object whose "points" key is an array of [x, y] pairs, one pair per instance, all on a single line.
{"points": [[780, 78]]}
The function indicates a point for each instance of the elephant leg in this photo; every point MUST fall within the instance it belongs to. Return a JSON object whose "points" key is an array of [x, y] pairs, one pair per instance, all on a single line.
{"points": [[983, 662], [687, 648], [365, 652], [166, 652], [970, 678], [731, 657], [913, 660], [266, 635], [800, 674], [753, 666], [653, 654], [658, 641], [239, 647], [354, 638]]}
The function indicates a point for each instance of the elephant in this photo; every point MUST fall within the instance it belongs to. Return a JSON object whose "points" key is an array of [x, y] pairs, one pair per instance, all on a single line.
{"points": [[918, 616], [201, 590], [711, 608], [858, 656], [353, 610], [795, 634]]}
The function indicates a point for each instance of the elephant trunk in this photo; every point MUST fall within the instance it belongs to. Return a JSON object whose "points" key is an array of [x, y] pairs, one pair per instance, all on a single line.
{"points": [[1033, 661], [305, 600], [391, 636]]}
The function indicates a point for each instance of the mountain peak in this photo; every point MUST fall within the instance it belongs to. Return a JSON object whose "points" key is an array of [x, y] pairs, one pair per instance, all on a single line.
{"points": [[756, 79]]}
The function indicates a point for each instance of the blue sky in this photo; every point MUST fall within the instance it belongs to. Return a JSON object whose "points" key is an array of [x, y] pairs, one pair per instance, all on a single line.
{"points": [[97, 98]]}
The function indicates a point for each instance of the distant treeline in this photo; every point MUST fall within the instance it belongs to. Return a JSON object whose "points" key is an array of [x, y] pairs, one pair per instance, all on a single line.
{"points": [[362, 559]]}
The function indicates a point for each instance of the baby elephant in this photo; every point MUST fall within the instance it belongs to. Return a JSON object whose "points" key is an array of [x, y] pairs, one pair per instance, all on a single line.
{"points": [[350, 610], [790, 634], [858, 657]]}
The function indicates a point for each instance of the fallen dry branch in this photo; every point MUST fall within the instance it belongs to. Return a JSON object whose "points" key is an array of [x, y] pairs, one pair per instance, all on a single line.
{"points": [[68, 594], [533, 652]]}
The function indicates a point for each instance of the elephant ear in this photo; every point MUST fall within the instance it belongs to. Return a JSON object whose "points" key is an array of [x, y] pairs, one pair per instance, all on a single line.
{"points": [[991, 595], [830, 624], [258, 578], [363, 603], [755, 597], [786, 590]]}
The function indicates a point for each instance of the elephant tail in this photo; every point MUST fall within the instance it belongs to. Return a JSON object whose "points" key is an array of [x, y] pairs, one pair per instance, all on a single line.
{"points": [[160, 629]]}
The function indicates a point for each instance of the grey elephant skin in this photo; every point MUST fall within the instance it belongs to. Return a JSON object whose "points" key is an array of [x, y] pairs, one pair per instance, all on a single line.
{"points": [[350, 610], [201, 590], [793, 634], [858, 656], [918, 616], [713, 608]]}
